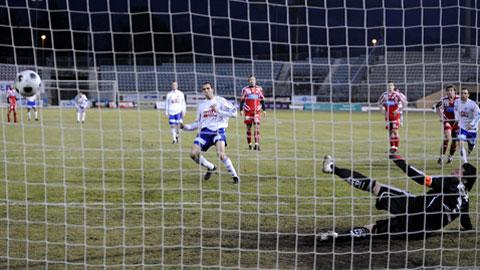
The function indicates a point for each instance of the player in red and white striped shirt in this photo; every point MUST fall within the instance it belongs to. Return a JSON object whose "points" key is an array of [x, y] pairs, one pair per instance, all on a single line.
{"points": [[251, 104], [12, 103], [392, 103], [446, 111]]}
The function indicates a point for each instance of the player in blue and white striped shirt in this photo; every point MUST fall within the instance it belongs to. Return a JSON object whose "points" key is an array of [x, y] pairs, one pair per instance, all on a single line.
{"points": [[467, 116], [175, 109], [212, 121]]}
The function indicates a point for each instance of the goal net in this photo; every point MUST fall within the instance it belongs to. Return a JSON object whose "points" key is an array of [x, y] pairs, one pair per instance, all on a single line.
{"points": [[114, 192]]}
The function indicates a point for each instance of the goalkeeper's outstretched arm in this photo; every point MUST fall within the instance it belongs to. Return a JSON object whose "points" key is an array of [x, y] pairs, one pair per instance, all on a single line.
{"points": [[412, 172], [436, 182]]}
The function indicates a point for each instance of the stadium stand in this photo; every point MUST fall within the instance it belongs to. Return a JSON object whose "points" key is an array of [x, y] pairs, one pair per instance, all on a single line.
{"points": [[416, 73]]}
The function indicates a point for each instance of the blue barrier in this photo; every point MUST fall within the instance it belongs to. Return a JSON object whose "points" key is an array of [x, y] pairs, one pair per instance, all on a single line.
{"points": [[349, 107]]}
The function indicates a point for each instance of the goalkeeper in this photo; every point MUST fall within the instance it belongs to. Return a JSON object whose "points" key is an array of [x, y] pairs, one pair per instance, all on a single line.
{"points": [[413, 216]]}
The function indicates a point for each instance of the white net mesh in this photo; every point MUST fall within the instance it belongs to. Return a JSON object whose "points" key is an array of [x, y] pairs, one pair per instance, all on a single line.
{"points": [[114, 192]]}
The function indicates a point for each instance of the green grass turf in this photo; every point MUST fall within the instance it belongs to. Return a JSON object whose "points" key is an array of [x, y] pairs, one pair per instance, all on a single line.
{"points": [[115, 192]]}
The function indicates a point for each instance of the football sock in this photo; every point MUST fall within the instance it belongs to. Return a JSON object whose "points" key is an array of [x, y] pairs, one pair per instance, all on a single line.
{"points": [[470, 148], [463, 154], [230, 168], [249, 135], [257, 133], [395, 141], [36, 114], [177, 131], [445, 146], [174, 133], [355, 179], [453, 147], [204, 162]]}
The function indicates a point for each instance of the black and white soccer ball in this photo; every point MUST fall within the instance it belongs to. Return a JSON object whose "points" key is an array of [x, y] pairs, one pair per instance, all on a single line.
{"points": [[28, 83]]}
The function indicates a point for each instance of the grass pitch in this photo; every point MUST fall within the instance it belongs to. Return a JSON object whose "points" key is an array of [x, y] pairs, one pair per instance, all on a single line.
{"points": [[114, 192]]}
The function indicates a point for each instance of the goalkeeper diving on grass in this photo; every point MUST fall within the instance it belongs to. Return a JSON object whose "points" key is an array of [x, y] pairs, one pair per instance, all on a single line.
{"points": [[413, 216]]}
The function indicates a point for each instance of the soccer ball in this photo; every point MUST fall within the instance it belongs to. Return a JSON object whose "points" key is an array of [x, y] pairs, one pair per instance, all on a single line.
{"points": [[28, 83]]}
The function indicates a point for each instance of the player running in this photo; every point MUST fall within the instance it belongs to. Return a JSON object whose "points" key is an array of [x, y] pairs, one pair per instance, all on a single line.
{"points": [[81, 104], [392, 103], [446, 111], [252, 102], [466, 114], [12, 103], [414, 216], [32, 105], [212, 121], [175, 109]]}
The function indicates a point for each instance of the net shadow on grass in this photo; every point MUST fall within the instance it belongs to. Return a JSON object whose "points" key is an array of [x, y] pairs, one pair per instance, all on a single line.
{"points": [[286, 251]]}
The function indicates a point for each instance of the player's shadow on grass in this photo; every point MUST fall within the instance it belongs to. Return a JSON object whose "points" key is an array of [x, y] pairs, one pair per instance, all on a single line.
{"points": [[439, 248], [307, 252]]}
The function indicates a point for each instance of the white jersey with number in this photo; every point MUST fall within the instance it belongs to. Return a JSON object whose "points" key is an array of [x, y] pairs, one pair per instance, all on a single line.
{"points": [[467, 113], [81, 102], [175, 102], [207, 117]]}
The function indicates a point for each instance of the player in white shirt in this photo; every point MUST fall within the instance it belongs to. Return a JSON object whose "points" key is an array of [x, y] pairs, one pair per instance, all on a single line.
{"points": [[212, 121], [467, 116], [81, 104], [32, 104], [175, 109]]}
